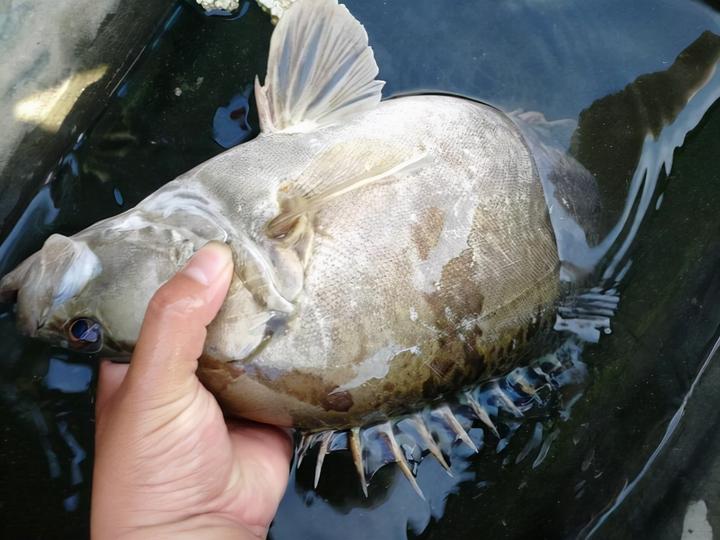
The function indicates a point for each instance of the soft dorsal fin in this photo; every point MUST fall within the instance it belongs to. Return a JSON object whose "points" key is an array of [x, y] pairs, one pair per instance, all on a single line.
{"points": [[341, 169], [320, 69]]}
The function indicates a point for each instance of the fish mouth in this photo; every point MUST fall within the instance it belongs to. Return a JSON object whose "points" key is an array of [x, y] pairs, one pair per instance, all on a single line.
{"points": [[9, 288], [26, 325], [114, 351], [114, 355], [12, 282], [12, 285], [8, 296]]}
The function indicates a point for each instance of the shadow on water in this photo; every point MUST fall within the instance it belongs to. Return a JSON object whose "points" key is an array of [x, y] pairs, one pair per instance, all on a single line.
{"points": [[628, 91]]}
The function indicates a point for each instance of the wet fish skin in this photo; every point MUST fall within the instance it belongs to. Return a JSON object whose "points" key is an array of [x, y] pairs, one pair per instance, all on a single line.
{"points": [[399, 254], [384, 253]]}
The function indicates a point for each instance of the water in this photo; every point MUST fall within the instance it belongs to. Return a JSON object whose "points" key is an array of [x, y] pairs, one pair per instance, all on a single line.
{"points": [[189, 96]]}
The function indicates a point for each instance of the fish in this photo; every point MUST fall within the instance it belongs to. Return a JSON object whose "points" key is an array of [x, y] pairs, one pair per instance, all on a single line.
{"points": [[395, 266]]}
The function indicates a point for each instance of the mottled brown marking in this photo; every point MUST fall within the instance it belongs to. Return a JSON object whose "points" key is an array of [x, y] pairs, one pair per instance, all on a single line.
{"points": [[426, 232], [217, 374], [411, 383], [338, 401], [451, 364], [441, 366], [457, 290], [308, 388]]}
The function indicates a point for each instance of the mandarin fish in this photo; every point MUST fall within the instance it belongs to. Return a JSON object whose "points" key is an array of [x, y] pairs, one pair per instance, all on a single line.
{"points": [[396, 269]]}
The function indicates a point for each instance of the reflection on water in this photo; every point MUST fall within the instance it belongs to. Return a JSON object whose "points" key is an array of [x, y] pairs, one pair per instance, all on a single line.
{"points": [[622, 97]]}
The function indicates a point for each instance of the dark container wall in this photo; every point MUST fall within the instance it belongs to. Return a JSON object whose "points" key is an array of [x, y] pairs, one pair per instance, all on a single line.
{"points": [[61, 62]]}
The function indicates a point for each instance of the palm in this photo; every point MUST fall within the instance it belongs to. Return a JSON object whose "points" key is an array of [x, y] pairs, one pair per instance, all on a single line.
{"points": [[189, 461], [227, 468]]}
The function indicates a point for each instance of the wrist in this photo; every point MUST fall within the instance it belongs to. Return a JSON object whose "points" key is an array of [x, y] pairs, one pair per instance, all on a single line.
{"points": [[208, 527]]}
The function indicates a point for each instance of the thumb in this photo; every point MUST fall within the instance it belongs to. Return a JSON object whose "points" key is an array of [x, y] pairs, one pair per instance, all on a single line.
{"points": [[173, 333]]}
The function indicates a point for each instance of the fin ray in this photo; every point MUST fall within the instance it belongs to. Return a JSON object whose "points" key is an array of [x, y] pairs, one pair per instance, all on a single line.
{"points": [[362, 163], [320, 69], [533, 389], [322, 451], [387, 430], [428, 440], [481, 414], [356, 451], [445, 414]]}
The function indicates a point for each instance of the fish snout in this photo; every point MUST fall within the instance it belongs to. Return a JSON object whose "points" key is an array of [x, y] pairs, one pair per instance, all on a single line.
{"points": [[10, 285], [15, 289], [28, 325], [46, 280]]}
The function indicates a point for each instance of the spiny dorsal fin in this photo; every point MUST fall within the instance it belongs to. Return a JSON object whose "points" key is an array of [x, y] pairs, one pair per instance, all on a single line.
{"points": [[320, 69], [341, 169]]}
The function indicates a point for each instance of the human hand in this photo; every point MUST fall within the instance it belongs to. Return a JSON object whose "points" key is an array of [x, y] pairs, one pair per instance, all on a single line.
{"points": [[167, 464]]}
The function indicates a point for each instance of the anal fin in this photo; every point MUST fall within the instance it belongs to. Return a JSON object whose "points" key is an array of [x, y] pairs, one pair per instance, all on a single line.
{"points": [[500, 405]]}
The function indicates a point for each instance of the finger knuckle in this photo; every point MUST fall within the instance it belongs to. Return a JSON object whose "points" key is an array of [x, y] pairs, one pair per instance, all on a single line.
{"points": [[165, 302]]}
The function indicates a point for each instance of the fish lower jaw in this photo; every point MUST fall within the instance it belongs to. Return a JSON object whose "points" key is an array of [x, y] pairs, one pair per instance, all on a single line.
{"points": [[484, 415]]}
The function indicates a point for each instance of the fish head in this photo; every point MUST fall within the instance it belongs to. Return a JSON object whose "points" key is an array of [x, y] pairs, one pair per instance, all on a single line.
{"points": [[89, 294]]}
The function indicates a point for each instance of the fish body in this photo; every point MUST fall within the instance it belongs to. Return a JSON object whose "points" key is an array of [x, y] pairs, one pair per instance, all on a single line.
{"points": [[386, 253], [400, 290]]}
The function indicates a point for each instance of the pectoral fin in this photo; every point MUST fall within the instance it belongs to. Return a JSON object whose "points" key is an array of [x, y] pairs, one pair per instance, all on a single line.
{"points": [[320, 69], [342, 169]]}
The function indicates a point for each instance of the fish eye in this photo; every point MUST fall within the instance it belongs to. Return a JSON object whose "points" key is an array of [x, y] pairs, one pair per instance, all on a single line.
{"points": [[83, 331]]}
